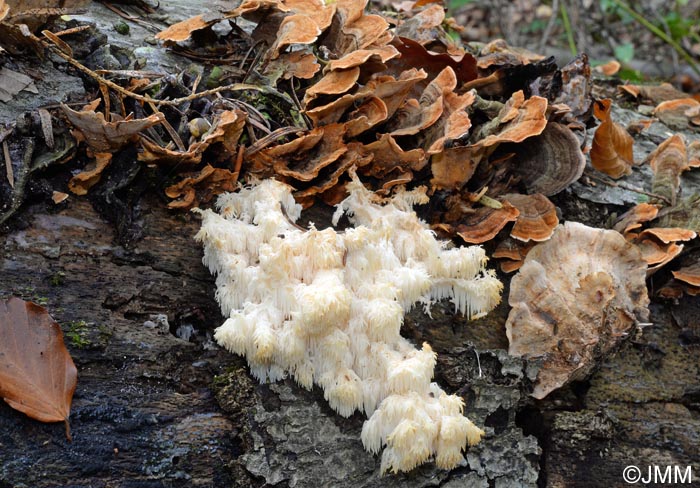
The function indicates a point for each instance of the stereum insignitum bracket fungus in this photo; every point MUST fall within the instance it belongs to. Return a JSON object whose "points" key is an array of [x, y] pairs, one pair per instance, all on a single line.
{"points": [[326, 307]]}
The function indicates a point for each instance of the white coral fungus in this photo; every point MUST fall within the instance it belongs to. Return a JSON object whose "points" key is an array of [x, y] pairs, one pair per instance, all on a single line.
{"points": [[326, 307]]}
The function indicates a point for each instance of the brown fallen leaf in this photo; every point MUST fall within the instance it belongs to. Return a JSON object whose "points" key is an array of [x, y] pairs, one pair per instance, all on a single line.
{"points": [[37, 374], [12, 82], [611, 151], [103, 136], [21, 19], [508, 79]]}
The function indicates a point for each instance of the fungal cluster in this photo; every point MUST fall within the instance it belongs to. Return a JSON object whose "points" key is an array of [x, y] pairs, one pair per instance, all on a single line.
{"points": [[575, 297], [326, 308]]}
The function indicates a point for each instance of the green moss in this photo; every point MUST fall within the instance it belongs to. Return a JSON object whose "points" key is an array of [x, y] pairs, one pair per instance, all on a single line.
{"points": [[57, 278], [122, 28], [77, 334]]}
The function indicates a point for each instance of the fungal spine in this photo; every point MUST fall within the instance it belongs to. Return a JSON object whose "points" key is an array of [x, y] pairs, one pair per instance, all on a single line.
{"points": [[326, 308]]}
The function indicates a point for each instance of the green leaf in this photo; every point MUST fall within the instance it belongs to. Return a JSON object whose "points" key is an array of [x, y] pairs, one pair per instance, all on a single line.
{"points": [[630, 75], [624, 52], [455, 4]]}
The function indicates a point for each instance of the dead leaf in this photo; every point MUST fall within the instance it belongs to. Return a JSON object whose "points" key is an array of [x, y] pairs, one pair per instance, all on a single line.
{"points": [[37, 374], [611, 151], [103, 136], [12, 82], [571, 85], [508, 79]]}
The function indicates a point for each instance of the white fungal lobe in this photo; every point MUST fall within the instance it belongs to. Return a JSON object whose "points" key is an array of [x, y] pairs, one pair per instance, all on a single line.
{"points": [[326, 308]]}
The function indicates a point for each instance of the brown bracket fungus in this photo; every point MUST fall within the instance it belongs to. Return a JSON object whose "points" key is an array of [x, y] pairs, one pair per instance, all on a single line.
{"points": [[550, 162], [537, 219], [575, 297], [689, 274]]}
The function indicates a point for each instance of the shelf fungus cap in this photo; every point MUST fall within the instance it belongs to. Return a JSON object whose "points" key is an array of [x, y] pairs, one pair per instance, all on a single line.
{"points": [[485, 223], [550, 162], [537, 219], [574, 299], [689, 274]]}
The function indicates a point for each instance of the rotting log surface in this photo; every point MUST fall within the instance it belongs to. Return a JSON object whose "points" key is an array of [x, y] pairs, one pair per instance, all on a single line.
{"points": [[154, 410]]}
